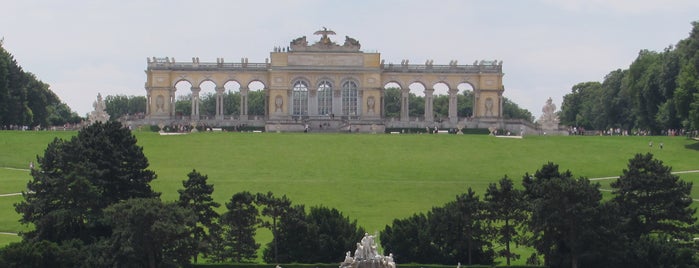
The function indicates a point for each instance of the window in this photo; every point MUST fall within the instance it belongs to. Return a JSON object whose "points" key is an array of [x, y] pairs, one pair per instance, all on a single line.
{"points": [[325, 98], [299, 98], [349, 98]]}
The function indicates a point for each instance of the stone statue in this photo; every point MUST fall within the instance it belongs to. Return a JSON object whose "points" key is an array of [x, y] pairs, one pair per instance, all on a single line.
{"points": [[278, 103], [159, 103], [488, 107], [548, 120], [301, 41], [99, 114], [366, 256], [351, 42], [370, 103]]}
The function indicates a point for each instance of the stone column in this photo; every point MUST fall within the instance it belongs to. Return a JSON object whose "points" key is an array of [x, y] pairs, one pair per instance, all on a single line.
{"points": [[453, 116], [244, 102], [313, 102], [337, 102], [429, 104], [266, 104], [171, 108], [404, 104], [500, 105], [149, 101], [219, 103], [195, 103], [476, 102]]}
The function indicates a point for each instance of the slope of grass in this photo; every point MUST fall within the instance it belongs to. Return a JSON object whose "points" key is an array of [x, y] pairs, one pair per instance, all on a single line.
{"points": [[371, 178]]}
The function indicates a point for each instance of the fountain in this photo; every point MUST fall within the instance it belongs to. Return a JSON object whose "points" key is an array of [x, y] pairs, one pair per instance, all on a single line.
{"points": [[366, 256]]}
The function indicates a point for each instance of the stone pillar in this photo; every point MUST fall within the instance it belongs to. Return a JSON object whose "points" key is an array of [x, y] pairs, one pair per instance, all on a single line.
{"points": [[429, 104], [476, 102], [337, 102], [171, 108], [149, 101], [195, 103], [500, 104], [313, 102], [404, 104], [453, 116], [219, 102], [266, 104], [244, 102]]}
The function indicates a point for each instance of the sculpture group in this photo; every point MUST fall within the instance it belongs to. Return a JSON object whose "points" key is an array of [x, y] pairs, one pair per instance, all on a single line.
{"points": [[367, 256]]}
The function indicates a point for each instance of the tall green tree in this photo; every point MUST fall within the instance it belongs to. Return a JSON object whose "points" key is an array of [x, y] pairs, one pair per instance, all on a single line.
{"points": [[505, 210], [292, 242], [564, 215], [335, 234], [274, 208], [77, 178], [148, 233], [238, 225], [392, 102], [196, 196], [121, 105], [653, 199]]}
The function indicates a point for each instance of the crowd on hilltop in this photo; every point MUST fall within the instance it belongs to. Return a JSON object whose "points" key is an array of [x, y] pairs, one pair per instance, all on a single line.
{"points": [[573, 130]]}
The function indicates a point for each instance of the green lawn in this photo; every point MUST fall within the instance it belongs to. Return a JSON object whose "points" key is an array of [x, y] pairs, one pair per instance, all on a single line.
{"points": [[371, 178]]}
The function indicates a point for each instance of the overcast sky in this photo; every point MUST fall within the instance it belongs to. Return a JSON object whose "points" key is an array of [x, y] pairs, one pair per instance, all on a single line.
{"points": [[82, 48]]}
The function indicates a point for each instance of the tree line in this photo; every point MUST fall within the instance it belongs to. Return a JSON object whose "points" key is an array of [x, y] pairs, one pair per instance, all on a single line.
{"points": [[392, 96], [658, 91], [91, 205], [26, 100]]}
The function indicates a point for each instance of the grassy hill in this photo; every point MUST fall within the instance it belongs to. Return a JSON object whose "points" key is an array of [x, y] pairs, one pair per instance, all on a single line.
{"points": [[371, 178]]}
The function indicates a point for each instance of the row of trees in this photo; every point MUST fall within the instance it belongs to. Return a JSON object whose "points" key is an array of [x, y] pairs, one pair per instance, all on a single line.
{"points": [[563, 218], [26, 101], [659, 90], [183, 105]]}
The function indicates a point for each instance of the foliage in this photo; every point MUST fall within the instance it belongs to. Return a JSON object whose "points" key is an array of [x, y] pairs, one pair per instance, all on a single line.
{"points": [[564, 215], [42, 253], [275, 208], [657, 92], [236, 239], [25, 100], [448, 234], [121, 105], [196, 196], [505, 210], [653, 199], [78, 178], [148, 233]]}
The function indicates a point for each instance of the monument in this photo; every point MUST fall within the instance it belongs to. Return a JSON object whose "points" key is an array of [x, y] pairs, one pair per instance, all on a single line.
{"points": [[548, 120], [366, 256], [323, 82], [99, 114]]}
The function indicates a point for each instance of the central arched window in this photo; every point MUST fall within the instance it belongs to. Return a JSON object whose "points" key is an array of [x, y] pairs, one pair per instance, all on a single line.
{"points": [[349, 98], [325, 98], [299, 98]]}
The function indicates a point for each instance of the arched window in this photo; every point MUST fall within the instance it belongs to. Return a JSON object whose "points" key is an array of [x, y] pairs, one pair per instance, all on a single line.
{"points": [[299, 98], [325, 98], [349, 98]]}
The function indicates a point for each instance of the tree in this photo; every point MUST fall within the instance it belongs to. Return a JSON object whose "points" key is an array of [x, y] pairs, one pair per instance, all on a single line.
{"points": [[121, 105], [273, 208], [505, 210], [42, 253], [565, 214], [392, 102], [149, 233], [653, 199], [76, 179], [410, 240], [196, 196], [293, 239], [335, 234], [236, 241]]}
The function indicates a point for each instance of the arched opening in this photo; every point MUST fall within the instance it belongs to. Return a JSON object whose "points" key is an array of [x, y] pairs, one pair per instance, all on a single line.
{"points": [[207, 100], [256, 98], [349, 98], [465, 100], [299, 98], [440, 101], [416, 100], [391, 100], [231, 98], [183, 99], [325, 97]]}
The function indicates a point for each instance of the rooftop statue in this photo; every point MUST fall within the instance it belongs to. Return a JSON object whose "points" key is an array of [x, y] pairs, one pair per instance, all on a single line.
{"points": [[99, 114]]}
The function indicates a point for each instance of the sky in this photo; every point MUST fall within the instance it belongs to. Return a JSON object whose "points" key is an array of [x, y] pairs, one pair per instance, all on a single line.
{"points": [[82, 48]]}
